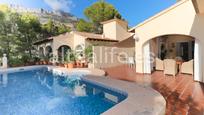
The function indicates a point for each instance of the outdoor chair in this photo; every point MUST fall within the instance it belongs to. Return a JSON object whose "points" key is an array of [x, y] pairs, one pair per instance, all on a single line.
{"points": [[187, 67], [159, 64], [170, 67]]}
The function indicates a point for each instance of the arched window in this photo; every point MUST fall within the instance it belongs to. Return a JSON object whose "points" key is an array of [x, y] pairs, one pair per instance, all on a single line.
{"points": [[79, 51]]}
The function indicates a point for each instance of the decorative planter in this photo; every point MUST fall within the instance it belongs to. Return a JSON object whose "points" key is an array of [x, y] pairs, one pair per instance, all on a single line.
{"points": [[70, 65], [45, 62], [49, 63], [40, 62], [66, 65], [61, 65], [78, 63], [37, 63], [57, 64]]}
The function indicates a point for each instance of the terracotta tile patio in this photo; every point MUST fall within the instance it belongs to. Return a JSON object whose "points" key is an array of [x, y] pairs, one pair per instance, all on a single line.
{"points": [[183, 95]]}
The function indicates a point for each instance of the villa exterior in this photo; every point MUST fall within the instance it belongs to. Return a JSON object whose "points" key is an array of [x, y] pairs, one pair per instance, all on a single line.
{"points": [[145, 55], [115, 30], [177, 29], [184, 20]]}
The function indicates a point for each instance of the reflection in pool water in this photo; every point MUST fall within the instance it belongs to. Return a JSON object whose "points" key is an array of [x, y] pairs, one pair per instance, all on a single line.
{"points": [[40, 92], [4, 79]]}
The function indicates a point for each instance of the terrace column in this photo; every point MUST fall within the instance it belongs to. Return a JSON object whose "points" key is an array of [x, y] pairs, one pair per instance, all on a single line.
{"points": [[198, 74], [147, 58], [139, 57]]}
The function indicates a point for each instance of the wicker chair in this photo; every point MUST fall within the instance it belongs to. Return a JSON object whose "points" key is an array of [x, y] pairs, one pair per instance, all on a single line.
{"points": [[159, 64], [170, 67], [187, 67]]}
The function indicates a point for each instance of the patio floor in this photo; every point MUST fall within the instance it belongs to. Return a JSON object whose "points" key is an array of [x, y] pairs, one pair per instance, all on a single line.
{"points": [[182, 94]]}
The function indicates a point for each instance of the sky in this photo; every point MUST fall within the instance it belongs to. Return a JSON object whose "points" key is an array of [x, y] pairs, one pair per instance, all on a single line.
{"points": [[133, 11]]}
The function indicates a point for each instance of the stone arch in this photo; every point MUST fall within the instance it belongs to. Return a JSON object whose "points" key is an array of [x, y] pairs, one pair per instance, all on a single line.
{"points": [[165, 34], [181, 38], [62, 52], [194, 48]]}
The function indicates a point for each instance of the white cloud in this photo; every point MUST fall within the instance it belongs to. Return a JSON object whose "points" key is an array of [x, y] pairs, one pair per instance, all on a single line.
{"points": [[60, 4]]}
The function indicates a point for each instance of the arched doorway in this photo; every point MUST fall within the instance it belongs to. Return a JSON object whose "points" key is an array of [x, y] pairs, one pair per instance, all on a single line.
{"points": [[41, 52], [180, 48], [62, 52]]}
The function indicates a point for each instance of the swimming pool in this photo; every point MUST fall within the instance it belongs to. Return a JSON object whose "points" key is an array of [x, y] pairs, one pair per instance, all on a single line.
{"points": [[40, 92]]}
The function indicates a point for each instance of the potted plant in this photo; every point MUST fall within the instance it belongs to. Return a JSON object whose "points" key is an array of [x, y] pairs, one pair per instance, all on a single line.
{"points": [[45, 60], [66, 64], [66, 61], [36, 60], [25, 59], [78, 63], [54, 60], [79, 59], [71, 58], [89, 56]]}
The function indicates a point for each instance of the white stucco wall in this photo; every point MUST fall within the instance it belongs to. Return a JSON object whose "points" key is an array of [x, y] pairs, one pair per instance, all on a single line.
{"points": [[122, 32], [109, 30], [116, 30], [78, 40], [105, 57], [180, 19]]}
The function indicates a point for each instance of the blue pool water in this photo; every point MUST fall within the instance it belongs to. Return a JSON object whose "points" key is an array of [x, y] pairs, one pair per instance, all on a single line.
{"points": [[40, 92]]}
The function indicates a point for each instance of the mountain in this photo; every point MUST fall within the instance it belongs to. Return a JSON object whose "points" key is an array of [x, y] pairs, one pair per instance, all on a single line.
{"points": [[44, 15]]}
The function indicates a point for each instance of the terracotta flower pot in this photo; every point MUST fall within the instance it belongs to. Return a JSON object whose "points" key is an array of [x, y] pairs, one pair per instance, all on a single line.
{"points": [[78, 63], [66, 65], [40, 62], [49, 63], [61, 65], [57, 64], [70, 65], [45, 62], [37, 63]]}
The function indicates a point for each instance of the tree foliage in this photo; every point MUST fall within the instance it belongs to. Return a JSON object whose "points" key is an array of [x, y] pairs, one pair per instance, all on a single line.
{"points": [[101, 11], [97, 13], [8, 33], [52, 28], [84, 26], [18, 32], [30, 28]]}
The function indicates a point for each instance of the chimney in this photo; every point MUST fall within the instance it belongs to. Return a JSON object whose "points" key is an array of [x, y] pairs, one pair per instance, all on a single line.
{"points": [[115, 29]]}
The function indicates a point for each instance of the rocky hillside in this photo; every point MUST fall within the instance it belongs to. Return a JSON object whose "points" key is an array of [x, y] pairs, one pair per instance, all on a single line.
{"points": [[44, 15]]}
